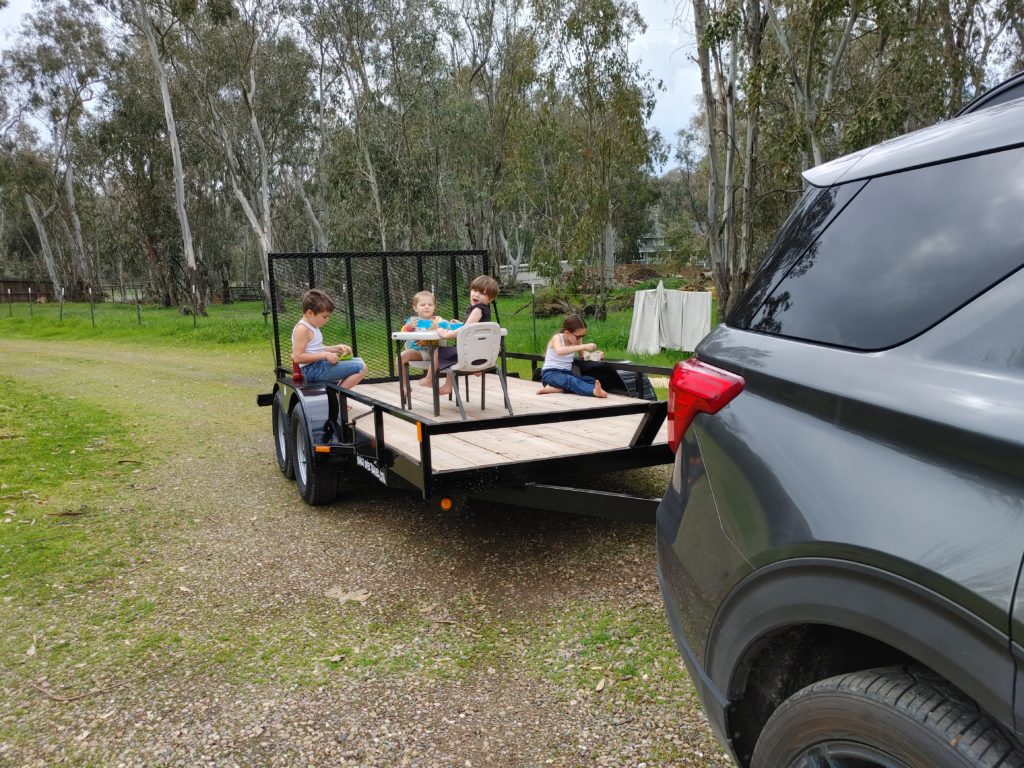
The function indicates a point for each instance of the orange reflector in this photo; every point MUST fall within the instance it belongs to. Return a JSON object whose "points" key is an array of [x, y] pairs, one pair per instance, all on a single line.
{"points": [[419, 431], [447, 504], [322, 449]]}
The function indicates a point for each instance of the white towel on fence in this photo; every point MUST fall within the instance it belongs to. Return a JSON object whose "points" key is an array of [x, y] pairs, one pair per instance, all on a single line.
{"points": [[644, 334], [668, 319]]}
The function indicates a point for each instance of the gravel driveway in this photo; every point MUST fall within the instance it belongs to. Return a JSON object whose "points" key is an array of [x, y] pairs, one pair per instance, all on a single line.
{"points": [[244, 628]]}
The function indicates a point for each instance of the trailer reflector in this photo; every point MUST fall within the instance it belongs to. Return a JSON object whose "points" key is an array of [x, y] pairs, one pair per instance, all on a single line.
{"points": [[447, 504], [419, 431], [322, 449]]}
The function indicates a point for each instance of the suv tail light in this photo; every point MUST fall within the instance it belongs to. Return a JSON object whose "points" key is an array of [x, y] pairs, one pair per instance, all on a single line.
{"points": [[697, 387]]}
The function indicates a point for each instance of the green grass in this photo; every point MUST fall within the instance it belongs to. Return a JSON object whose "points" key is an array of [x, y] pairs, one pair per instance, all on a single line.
{"points": [[227, 324], [60, 455], [627, 653]]}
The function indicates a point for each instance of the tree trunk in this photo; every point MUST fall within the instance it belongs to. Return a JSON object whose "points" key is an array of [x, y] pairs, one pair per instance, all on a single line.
{"points": [[86, 274], [44, 242], [179, 172]]}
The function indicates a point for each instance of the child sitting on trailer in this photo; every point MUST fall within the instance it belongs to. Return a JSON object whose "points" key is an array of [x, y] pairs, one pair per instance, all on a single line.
{"points": [[321, 363], [557, 375], [482, 291], [423, 319]]}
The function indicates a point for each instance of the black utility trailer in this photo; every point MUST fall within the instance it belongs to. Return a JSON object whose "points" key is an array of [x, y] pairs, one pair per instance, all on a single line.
{"points": [[324, 432]]}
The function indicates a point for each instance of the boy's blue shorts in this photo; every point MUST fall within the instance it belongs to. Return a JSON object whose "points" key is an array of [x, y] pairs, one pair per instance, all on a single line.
{"points": [[322, 371]]}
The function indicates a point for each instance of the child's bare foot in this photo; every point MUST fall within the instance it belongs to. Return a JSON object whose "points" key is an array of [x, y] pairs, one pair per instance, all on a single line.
{"points": [[547, 390], [425, 381], [598, 391]]}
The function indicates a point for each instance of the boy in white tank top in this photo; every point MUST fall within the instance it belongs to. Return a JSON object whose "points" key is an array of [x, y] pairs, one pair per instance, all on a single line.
{"points": [[319, 362]]}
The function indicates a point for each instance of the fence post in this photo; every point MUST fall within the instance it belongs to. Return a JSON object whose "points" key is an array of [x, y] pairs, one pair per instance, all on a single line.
{"points": [[10, 308], [62, 304], [92, 308], [533, 312], [138, 306], [195, 306], [30, 314]]}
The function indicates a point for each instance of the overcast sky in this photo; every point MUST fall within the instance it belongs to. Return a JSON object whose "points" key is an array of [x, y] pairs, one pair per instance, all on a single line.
{"points": [[664, 50]]}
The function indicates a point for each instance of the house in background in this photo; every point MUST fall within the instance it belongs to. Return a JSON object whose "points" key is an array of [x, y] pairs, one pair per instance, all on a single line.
{"points": [[653, 246]]}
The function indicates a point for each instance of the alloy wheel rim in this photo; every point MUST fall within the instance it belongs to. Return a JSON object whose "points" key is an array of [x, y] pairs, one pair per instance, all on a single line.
{"points": [[301, 458], [281, 441], [845, 754]]}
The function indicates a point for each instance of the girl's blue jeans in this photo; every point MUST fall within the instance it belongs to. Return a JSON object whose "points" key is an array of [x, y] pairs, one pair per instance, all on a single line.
{"points": [[568, 381]]}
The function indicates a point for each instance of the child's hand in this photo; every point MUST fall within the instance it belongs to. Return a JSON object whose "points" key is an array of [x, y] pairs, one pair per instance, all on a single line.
{"points": [[332, 357], [590, 347]]}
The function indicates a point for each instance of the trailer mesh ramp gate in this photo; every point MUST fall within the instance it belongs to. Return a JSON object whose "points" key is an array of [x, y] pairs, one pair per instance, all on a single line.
{"points": [[372, 293]]}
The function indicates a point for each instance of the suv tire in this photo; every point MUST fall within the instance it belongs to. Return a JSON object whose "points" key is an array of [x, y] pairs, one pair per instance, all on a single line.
{"points": [[892, 717]]}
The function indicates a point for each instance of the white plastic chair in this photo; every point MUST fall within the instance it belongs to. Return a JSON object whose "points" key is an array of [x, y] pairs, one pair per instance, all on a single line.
{"points": [[478, 346]]}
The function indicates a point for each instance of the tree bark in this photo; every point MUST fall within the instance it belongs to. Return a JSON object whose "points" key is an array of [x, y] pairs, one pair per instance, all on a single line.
{"points": [[44, 242], [179, 172]]}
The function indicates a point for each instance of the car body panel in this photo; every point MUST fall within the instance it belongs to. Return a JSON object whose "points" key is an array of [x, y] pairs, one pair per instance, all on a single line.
{"points": [[1017, 648], [971, 134], [863, 495]]}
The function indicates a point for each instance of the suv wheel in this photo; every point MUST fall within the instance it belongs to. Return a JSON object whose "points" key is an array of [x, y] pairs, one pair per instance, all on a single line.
{"points": [[894, 717]]}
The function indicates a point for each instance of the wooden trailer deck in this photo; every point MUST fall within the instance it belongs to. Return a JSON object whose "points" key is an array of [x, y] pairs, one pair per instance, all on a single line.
{"points": [[501, 445]]}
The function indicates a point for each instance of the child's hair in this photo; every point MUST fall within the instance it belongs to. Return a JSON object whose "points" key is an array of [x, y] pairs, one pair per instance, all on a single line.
{"points": [[486, 284], [422, 295], [316, 301], [573, 323]]}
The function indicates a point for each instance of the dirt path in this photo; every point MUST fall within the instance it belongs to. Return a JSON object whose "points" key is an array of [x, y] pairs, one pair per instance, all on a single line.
{"points": [[500, 638]]}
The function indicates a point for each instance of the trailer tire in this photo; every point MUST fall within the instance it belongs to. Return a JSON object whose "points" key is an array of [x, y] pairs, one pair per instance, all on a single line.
{"points": [[318, 484], [284, 445]]}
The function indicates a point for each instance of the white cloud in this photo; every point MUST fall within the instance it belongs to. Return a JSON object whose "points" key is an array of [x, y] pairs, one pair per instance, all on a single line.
{"points": [[667, 50]]}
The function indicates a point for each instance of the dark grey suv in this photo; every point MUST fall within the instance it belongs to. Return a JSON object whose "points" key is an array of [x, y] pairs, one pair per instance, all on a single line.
{"points": [[840, 547]]}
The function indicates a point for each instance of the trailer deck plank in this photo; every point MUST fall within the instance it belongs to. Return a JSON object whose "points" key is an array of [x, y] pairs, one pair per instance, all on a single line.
{"points": [[502, 445]]}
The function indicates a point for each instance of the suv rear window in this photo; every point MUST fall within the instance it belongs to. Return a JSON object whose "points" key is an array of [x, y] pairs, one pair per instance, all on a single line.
{"points": [[908, 251]]}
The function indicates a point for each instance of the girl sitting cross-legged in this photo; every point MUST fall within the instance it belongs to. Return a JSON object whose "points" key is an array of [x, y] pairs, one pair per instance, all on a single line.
{"points": [[557, 375]]}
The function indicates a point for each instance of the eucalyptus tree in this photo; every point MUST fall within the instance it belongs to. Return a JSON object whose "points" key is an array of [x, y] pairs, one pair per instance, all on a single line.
{"points": [[138, 170], [348, 37], [162, 25], [61, 60], [255, 79], [603, 101], [496, 49], [729, 42]]}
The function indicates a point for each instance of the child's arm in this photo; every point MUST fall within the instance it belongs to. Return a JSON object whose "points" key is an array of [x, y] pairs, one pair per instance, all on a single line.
{"points": [[560, 348], [473, 317]]}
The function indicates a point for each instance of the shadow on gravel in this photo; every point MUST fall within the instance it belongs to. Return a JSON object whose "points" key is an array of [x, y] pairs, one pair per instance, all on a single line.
{"points": [[512, 558]]}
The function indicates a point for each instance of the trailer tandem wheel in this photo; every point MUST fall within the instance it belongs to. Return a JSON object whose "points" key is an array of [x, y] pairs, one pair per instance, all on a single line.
{"points": [[318, 483], [284, 446]]}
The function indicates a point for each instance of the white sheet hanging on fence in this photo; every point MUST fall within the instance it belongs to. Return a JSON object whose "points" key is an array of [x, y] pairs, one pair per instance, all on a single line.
{"points": [[668, 319]]}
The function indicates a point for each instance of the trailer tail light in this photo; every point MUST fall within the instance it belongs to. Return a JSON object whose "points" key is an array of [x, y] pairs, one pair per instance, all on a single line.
{"points": [[697, 387], [296, 373]]}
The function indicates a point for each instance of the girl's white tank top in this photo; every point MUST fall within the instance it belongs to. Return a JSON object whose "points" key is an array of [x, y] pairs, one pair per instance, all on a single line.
{"points": [[554, 361]]}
